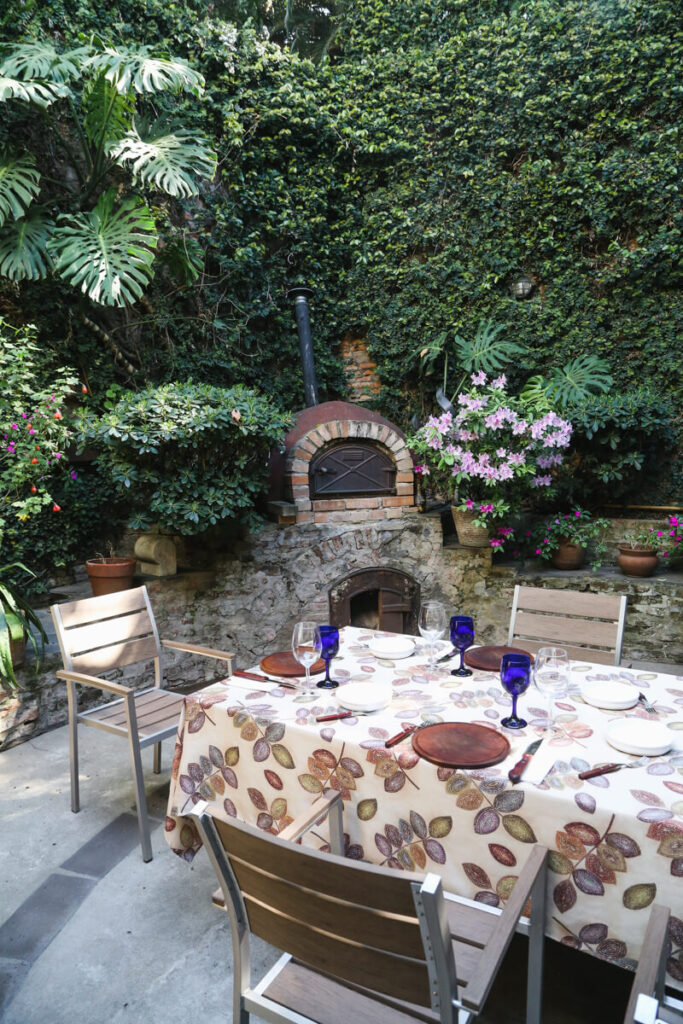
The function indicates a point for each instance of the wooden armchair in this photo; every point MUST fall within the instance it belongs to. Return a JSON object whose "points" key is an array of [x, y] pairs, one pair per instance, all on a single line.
{"points": [[99, 634], [589, 626], [648, 1003], [363, 942]]}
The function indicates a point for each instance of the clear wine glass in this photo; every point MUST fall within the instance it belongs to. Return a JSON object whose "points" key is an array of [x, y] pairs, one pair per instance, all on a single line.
{"points": [[432, 626], [329, 648], [462, 637], [515, 672], [551, 677], [306, 648]]}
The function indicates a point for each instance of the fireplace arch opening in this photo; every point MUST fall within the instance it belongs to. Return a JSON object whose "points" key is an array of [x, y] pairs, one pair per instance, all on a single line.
{"points": [[377, 598]]}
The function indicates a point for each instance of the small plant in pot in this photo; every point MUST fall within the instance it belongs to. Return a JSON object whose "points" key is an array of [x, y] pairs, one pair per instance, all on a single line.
{"points": [[564, 539], [640, 550], [111, 574], [16, 619]]}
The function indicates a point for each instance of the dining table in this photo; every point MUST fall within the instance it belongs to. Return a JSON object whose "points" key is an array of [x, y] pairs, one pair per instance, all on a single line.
{"points": [[255, 750]]}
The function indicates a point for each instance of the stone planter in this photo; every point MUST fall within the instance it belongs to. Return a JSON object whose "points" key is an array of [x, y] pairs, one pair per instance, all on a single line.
{"points": [[110, 575], [568, 555], [469, 535], [637, 561]]}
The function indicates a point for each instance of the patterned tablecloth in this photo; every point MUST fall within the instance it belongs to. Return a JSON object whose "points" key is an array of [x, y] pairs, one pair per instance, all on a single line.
{"points": [[616, 841]]}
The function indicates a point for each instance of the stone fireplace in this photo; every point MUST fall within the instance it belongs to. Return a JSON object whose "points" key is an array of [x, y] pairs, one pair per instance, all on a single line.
{"points": [[377, 598]]}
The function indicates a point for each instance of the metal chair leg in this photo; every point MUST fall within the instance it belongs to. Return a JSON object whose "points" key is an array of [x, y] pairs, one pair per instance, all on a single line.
{"points": [[535, 951], [72, 698], [140, 797], [157, 758]]}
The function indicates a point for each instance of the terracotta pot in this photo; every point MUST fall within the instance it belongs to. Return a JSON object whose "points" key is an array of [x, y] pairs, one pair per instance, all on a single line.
{"points": [[636, 561], [109, 575], [568, 555], [469, 535]]}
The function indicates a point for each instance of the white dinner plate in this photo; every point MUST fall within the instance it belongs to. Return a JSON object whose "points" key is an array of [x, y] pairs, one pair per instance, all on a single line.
{"points": [[638, 736], [609, 694], [391, 647], [364, 696]]}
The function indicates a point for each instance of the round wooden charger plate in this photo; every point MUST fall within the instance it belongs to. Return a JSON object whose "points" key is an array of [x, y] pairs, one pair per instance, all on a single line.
{"points": [[488, 658], [285, 664], [460, 745]]}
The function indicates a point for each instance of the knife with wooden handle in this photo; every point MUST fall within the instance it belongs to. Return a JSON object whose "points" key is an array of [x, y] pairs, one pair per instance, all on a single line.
{"points": [[515, 774], [263, 679]]}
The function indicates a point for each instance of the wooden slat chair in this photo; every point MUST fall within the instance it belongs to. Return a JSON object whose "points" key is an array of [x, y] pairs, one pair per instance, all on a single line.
{"points": [[648, 1003], [99, 634], [589, 626], [362, 942]]}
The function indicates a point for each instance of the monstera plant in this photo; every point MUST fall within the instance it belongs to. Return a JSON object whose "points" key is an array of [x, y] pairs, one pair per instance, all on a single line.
{"points": [[74, 201]]}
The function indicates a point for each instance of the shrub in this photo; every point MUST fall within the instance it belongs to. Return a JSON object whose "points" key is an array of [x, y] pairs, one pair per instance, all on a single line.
{"points": [[186, 456]]}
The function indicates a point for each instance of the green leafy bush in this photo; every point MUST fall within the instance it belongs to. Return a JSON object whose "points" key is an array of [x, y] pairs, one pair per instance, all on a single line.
{"points": [[623, 447], [186, 456]]}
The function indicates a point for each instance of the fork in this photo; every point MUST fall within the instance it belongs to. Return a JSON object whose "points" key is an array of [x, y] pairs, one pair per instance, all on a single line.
{"points": [[605, 769], [650, 708]]}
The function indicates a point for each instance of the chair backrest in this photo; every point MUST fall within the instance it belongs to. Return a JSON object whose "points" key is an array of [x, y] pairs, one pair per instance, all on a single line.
{"points": [[98, 634], [589, 626], [648, 988], [358, 923]]}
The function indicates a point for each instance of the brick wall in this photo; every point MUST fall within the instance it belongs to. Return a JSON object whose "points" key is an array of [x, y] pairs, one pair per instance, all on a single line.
{"points": [[361, 373]]}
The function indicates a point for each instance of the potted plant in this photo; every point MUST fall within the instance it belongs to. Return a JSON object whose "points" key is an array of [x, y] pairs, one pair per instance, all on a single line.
{"points": [[497, 448], [109, 575], [564, 539], [640, 550], [16, 619]]}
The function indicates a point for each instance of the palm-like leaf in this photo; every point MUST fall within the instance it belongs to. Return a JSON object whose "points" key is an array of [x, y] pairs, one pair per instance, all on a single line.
{"points": [[19, 184], [23, 248], [108, 114], [17, 619], [31, 92], [41, 60], [576, 380], [108, 252], [487, 352], [137, 69], [166, 160]]}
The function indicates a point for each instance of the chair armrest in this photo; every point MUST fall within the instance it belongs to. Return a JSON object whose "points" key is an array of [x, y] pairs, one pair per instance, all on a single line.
{"points": [[208, 652], [86, 680], [331, 804], [494, 952]]}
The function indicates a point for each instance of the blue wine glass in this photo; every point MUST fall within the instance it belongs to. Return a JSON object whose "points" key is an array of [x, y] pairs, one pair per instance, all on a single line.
{"points": [[462, 636], [515, 675], [329, 648]]}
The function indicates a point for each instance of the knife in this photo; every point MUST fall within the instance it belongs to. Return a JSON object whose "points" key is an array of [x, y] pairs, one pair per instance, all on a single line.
{"points": [[447, 657], [515, 774], [263, 679]]}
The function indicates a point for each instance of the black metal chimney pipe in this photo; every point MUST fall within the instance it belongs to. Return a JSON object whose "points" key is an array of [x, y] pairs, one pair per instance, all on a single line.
{"points": [[301, 295]]}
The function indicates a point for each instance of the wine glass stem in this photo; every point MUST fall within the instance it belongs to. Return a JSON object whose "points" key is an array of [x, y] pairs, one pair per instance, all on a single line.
{"points": [[308, 677], [462, 659], [328, 662], [514, 705]]}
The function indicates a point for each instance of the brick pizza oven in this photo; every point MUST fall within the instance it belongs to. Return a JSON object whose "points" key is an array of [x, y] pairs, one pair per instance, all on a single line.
{"points": [[342, 464]]}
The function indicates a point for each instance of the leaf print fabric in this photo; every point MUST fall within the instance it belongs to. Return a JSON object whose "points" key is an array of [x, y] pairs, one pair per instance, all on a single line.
{"points": [[615, 841]]}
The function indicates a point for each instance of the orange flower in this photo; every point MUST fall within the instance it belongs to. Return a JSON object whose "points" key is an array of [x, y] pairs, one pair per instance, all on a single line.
{"points": [[33, 461], [58, 415], [56, 508]]}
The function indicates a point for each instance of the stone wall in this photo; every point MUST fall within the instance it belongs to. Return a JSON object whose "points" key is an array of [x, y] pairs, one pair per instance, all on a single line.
{"points": [[261, 584]]}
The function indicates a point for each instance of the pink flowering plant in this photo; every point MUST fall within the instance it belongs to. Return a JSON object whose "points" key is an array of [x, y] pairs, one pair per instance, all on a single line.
{"points": [[576, 527], [664, 540], [497, 449]]}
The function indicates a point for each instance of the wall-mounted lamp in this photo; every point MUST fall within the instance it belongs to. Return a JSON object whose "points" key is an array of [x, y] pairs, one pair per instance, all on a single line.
{"points": [[522, 287]]}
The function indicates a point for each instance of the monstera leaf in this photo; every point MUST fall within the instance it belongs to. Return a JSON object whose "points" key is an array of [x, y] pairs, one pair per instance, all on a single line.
{"points": [[23, 247], [165, 160], [570, 384], [108, 114], [487, 351], [41, 60], [108, 252], [40, 93], [19, 184], [136, 69]]}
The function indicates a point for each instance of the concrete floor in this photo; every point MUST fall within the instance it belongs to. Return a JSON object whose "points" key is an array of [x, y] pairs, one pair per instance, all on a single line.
{"points": [[88, 933]]}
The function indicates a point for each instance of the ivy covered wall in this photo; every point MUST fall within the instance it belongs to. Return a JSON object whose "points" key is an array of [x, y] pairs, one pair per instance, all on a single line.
{"points": [[442, 149]]}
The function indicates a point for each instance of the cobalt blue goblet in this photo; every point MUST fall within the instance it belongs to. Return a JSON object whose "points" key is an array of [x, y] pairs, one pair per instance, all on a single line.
{"points": [[515, 674], [462, 636], [329, 647]]}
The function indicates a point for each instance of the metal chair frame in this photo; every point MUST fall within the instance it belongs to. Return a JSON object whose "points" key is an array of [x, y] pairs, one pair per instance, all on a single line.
{"points": [[285, 885], [648, 996], [100, 634]]}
